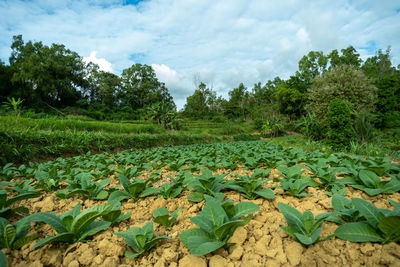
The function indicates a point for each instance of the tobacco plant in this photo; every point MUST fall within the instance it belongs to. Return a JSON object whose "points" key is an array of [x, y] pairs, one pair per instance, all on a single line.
{"points": [[371, 184], [6, 202], [163, 217], [217, 221], [380, 225], [13, 237], [140, 240], [250, 187], [207, 183], [73, 226], [83, 185], [132, 189], [302, 227]]}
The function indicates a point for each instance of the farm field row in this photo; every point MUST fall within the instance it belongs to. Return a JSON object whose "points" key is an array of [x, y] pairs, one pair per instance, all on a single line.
{"points": [[259, 178]]}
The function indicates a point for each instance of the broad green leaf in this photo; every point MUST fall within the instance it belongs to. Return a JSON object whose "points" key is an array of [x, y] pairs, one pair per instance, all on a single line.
{"points": [[49, 218], [266, 193], [390, 225], [102, 195], [3, 259], [9, 234], [293, 217], [369, 178], [213, 211], [63, 237], [88, 216], [357, 232], [244, 208], [368, 210], [24, 240], [118, 196], [196, 197], [93, 229], [204, 223], [340, 202]]}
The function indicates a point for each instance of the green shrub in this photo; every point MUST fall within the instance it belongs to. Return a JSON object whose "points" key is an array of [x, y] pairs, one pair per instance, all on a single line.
{"points": [[391, 119], [363, 127], [313, 127], [340, 131], [246, 137], [258, 123]]}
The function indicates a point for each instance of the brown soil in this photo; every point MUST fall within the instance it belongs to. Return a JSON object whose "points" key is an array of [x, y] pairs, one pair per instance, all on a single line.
{"points": [[260, 243]]}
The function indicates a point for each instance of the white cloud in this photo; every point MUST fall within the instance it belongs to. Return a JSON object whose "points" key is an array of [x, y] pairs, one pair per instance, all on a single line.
{"points": [[222, 42], [104, 65]]}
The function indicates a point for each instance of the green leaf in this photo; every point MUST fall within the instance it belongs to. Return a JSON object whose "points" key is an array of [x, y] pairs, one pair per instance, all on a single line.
{"points": [[293, 217], [368, 210], [93, 229], [213, 211], [390, 225], [244, 208], [3, 259], [340, 202], [369, 178], [204, 223], [118, 196], [24, 240], [88, 216], [266, 193], [9, 234], [201, 246], [196, 197], [49, 218], [63, 237], [132, 255], [102, 195], [357, 232]]}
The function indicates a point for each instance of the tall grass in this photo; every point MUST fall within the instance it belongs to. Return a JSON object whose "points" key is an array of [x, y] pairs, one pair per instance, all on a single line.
{"points": [[57, 124]]}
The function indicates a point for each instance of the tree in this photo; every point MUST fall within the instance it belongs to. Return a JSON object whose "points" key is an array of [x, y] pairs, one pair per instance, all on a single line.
{"points": [[52, 74], [238, 100], [349, 57], [311, 66], [340, 131], [203, 103], [344, 82], [141, 88], [290, 100], [379, 66]]}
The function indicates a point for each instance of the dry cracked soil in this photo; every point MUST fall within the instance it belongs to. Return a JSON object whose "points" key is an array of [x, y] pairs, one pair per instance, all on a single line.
{"points": [[259, 243]]}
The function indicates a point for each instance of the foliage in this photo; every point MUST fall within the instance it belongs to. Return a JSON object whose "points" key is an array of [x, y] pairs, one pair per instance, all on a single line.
{"points": [[72, 226], [343, 82], [132, 189], [371, 184], [344, 211], [83, 184], [217, 221], [313, 128], [250, 187], [362, 126], [380, 225], [290, 100], [141, 240], [163, 217], [14, 105], [13, 237], [340, 131], [6, 202], [302, 227], [207, 184]]}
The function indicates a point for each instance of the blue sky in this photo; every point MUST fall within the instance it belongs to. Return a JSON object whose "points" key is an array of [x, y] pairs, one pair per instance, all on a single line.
{"points": [[220, 42]]}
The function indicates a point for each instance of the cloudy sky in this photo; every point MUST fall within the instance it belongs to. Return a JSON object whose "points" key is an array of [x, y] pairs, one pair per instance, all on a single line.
{"points": [[220, 42]]}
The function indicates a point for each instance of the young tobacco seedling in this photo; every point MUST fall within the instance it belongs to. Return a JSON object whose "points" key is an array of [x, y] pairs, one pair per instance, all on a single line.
{"points": [[302, 227], [293, 172], [116, 215], [72, 226], [295, 187], [208, 184], [344, 211], [13, 237], [217, 221], [380, 225], [162, 216], [5, 203], [250, 187], [47, 181], [83, 185], [135, 189], [371, 184], [140, 240]]}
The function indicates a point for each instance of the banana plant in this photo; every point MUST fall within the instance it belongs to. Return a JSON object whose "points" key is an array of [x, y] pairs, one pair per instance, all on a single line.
{"points": [[72, 226]]}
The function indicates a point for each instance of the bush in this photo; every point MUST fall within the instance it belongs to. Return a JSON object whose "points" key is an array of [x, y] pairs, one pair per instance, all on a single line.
{"points": [[340, 131], [246, 137], [346, 83], [258, 123], [391, 119]]}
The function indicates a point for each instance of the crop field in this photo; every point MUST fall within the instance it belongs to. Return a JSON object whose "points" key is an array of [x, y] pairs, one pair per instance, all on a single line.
{"points": [[246, 203]]}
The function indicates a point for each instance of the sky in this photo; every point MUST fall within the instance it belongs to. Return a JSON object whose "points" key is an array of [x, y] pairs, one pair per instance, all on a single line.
{"points": [[221, 43]]}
